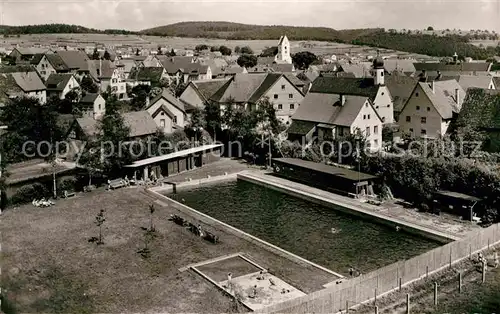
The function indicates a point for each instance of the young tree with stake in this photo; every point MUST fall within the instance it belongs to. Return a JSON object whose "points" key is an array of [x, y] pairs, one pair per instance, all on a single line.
{"points": [[99, 220]]}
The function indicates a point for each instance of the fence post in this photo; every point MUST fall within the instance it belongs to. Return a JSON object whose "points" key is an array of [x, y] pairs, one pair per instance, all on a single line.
{"points": [[375, 300], [484, 271], [347, 306], [488, 243], [470, 251], [460, 282], [426, 271], [450, 256], [376, 309], [435, 293], [400, 284], [407, 303]]}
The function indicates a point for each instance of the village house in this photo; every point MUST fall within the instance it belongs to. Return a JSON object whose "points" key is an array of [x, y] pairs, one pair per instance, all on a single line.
{"points": [[197, 93], [430, 108], [16, 83], [373, 88], [326, 116], [473, 81], [93, 105], [140, 124], [400, 86], [167, 111], [246, 90], [61, 84], [25, 54], [109, 76], [400, 66], [147, 75], [454, 68], [76, 62]]}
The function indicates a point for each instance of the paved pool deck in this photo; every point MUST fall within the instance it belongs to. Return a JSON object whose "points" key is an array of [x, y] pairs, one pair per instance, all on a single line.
{"points": [[438, 228]]}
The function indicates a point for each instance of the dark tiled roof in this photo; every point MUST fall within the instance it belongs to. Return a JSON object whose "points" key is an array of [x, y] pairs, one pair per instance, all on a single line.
{"points": [[56, 61], [208, 88], [140, 123], [74, 59], [240, 88], [400, 87], [57, 82], [344, 85], [36, 58], [146, 73], [89, 98], [282, 67], [28, 81], [461, 67], [300, 127], [326, 108], [167, 95], [268, 82], [295, 80], [16, 68]]}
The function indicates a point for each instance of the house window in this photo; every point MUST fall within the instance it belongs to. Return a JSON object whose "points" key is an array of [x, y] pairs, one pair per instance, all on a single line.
{"points": [[423, 120], [375, 129], [418, 107], [364, 117], [367, 131], [424, 132], [280, 106], [175, 119], [292, 106], [428, 108], [381, 73], [375, 142], [382, 92], [411, 130], [282, 87], [162, 123], [275, 96], [99, 106], [408, 119], [416, 94], [368, 117], [376, 107], [114, 80], [163, 113], [290, 96]]}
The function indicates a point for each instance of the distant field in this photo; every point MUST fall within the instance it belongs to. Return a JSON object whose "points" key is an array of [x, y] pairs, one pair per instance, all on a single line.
{"points": [[485, 43], [317, 47]]}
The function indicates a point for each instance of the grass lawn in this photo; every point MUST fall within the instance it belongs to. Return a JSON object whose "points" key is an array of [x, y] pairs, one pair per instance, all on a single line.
{"points": [[475, 297], [48, 264]]}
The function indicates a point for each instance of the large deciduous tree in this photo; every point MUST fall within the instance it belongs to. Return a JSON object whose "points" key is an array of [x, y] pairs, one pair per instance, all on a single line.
{"points": [[304, 59], [247, 61]]}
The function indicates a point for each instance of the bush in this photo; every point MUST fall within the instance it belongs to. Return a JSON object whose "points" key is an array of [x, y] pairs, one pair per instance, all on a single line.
{"points": [[68, 184], [28, 193]]}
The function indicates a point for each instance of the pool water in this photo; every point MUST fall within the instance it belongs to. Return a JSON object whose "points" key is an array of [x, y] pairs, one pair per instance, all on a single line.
{"points": [[304, 228]]}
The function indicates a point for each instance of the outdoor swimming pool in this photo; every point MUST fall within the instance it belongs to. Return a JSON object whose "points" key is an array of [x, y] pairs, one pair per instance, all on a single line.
{"points": [[304, 228]]}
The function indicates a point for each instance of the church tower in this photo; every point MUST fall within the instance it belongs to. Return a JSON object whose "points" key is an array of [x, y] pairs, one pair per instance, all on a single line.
{"points": [[378, 68], [283, 55]]}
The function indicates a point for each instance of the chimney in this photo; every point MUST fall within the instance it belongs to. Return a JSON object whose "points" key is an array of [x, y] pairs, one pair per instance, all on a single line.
{"points": [[342, 100], [147, 101], [457, 97], [432, 86]]}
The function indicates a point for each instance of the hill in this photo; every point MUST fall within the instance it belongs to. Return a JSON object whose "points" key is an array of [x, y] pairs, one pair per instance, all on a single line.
{"points": [[433, 45], [56, 29]]}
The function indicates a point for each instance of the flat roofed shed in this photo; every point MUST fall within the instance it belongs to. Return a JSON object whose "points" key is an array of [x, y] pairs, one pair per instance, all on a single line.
{"points": [[458, 196], [327, 169]]}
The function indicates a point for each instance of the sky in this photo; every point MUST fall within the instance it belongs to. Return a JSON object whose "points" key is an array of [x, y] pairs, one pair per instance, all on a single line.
{"points": [[137, 15]]}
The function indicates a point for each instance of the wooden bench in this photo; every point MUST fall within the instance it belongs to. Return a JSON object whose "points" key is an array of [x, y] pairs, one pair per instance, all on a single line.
{"points": [[67, 193], [116, 184]]}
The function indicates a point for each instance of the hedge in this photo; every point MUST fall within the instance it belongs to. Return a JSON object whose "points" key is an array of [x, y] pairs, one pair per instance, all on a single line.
{"points": [[27, 193], [415, 179]]}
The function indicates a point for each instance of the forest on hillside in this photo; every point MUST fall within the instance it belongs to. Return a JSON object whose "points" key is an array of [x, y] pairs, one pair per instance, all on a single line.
{"points": [[56, 29]]}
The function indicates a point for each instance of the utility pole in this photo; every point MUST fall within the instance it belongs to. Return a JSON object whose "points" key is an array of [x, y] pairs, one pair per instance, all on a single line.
{"points": [[1, 169]]}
